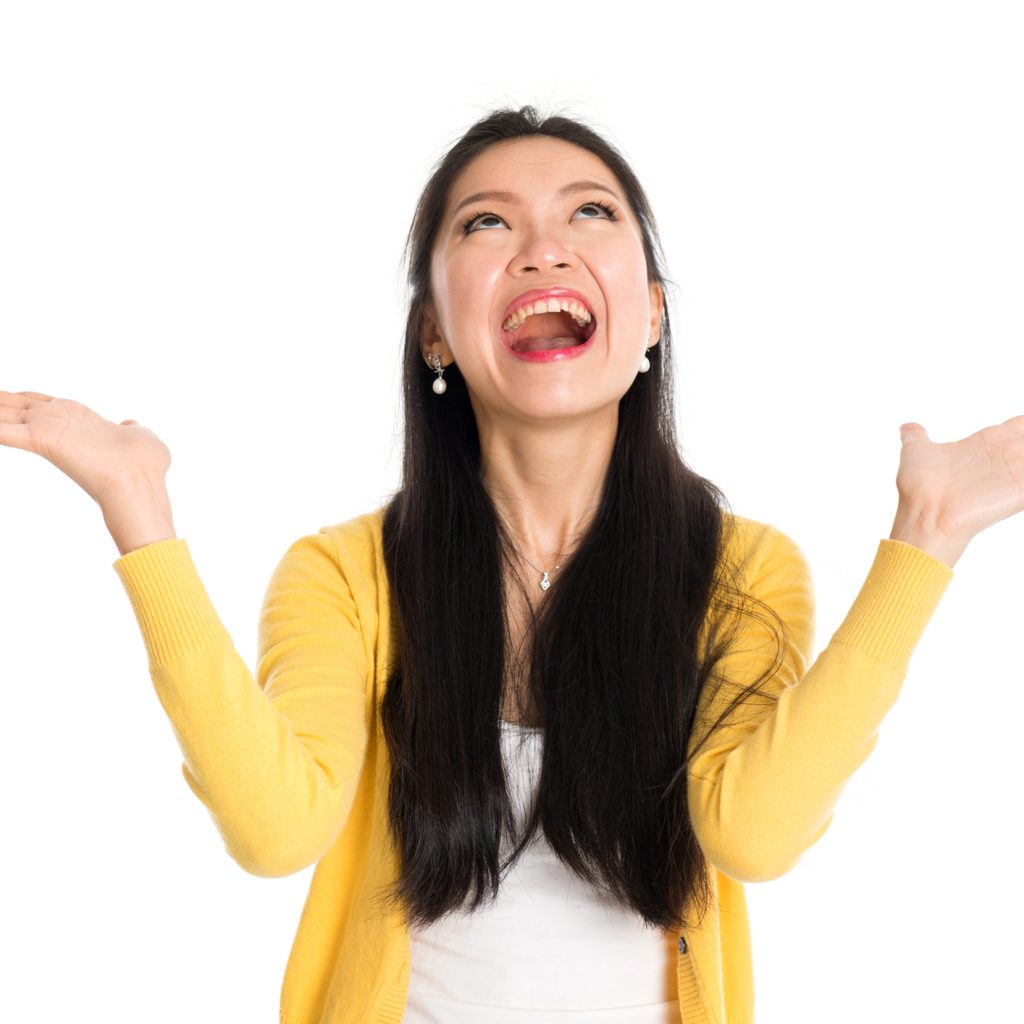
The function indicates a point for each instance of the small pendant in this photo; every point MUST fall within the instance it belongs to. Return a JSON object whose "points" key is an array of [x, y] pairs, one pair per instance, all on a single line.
{"points": [[545, 582]]}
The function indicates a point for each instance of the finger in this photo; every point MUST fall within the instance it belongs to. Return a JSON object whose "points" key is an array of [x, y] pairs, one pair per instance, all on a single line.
{"points": [[30, 396], [14, 435]]}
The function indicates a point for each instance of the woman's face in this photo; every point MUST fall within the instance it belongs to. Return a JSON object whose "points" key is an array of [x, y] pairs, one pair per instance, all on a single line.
{"points": [[536, 237]]}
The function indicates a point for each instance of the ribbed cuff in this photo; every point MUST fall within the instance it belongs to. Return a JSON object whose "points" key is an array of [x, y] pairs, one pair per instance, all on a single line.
{"points": [[173, 609], [889, 615]]}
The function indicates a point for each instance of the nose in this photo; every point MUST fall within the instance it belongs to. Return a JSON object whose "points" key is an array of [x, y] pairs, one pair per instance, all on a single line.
{"points": [[546, 263], [543, 250]]}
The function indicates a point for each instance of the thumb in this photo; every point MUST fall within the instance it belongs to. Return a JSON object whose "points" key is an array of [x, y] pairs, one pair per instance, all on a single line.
{"points": [[913, 432], [124, 423]]}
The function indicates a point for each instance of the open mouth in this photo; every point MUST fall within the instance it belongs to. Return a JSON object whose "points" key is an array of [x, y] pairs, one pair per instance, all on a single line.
{"points": [[543, 332]]}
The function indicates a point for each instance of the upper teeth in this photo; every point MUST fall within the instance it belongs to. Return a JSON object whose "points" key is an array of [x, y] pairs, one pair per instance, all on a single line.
{"points": [[578, 312]]}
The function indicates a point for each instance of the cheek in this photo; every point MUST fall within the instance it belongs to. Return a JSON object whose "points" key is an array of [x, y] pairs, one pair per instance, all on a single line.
{"points": [[633, 264], [627, 295], [621, 267], [471, 290]]}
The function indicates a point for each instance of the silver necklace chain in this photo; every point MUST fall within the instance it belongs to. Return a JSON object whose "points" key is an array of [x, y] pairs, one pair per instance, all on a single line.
{"points": [[545, 582]]}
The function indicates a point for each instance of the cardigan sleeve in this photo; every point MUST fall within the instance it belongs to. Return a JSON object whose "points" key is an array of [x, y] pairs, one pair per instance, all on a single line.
{"points": [[276, 758], [763, 788]]}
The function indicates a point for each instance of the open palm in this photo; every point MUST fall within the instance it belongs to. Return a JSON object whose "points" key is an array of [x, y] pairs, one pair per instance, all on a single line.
{"points": [[100, 456], [967, 485]]}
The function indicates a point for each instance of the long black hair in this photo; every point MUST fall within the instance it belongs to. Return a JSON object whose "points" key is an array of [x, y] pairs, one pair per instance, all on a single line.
{"points": [[616, 668]]}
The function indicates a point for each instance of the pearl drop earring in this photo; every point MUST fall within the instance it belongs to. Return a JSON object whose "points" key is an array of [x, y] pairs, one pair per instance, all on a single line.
{"points": [[439, 385], [645, 363]]}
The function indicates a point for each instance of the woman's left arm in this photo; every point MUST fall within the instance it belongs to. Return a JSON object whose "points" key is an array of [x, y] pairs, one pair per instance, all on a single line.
{"points": [[764, 784]]}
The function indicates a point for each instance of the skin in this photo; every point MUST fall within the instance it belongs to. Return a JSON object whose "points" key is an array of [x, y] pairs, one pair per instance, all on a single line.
{"points": [[546, 429]]}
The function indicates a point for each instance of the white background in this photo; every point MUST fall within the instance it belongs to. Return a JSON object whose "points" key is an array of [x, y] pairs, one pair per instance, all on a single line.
{"points": [[202, 211]]}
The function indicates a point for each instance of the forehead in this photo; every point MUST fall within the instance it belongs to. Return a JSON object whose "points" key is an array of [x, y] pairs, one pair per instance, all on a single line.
{"points": [[534, 167]]}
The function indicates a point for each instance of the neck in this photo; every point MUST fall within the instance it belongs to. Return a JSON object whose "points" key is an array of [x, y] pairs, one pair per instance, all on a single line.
{"points": [[546, 481]]}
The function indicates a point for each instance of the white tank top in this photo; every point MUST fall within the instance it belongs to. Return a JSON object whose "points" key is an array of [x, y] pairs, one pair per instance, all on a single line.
{"points": [[551, 947]]}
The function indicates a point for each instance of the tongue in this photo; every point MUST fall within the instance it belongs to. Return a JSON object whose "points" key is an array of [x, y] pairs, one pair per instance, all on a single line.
{"points": [[544, 331]]}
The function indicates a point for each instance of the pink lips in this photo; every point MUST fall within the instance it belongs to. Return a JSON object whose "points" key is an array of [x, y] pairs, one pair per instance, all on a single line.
{"points": [[546, 355]]}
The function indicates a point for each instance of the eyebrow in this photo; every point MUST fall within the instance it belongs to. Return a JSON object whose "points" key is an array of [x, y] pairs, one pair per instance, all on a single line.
{"points": [[511, 197]]}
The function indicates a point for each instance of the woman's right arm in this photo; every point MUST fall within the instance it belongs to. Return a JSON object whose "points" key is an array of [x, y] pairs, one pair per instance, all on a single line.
{"points": [[138, 515], [276, 759]]}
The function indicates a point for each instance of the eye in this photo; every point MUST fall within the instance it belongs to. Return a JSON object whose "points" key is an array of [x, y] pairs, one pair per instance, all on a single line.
{"points": [[607, 207], [467, 225]]}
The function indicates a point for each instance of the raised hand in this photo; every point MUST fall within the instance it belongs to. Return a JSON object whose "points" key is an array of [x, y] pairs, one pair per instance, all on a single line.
{"points": [[956, 489], [102, 457]]}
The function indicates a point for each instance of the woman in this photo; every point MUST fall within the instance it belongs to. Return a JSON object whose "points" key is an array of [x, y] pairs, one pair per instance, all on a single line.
{"points": [[473, 706]]}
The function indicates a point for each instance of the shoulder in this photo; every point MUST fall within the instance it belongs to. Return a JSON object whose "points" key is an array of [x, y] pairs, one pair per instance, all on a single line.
{"points": [[360, 537], [359, 548], [351, 549], [765, 575], [760, 552]]}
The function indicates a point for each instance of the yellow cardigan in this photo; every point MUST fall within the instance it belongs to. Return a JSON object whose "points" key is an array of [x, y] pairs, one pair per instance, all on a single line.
{"points": [[292, 764]]}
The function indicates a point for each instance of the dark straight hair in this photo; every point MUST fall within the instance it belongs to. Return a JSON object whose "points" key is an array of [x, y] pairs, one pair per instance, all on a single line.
{"points": [[616, 671]]}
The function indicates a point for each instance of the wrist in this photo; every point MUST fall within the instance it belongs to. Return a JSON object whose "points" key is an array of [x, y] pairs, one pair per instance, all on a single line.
{"points": [[138, 514], [915, 526]]}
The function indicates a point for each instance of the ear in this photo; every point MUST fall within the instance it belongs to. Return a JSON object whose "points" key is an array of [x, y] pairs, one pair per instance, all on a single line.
{"points": [[431, 340], [657, 309]]}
